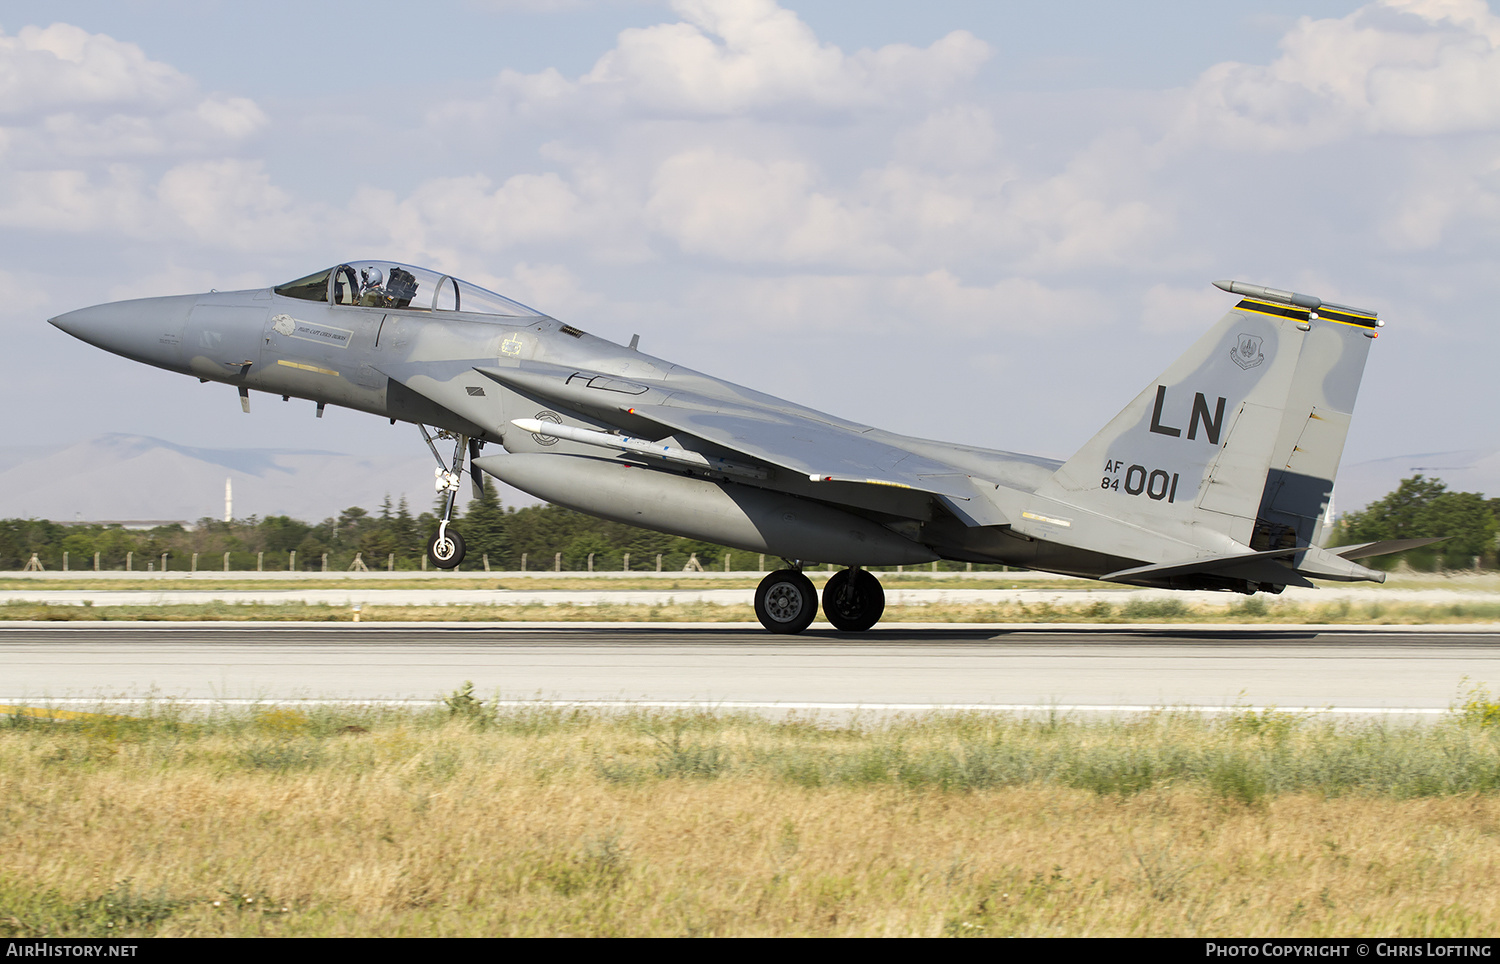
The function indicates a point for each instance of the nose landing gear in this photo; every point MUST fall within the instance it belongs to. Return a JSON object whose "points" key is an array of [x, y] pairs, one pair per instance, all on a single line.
{"points": [[446, 547]]}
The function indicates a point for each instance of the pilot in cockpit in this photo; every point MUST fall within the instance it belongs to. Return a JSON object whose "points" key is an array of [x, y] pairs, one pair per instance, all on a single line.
{"points": [[371, 294]]}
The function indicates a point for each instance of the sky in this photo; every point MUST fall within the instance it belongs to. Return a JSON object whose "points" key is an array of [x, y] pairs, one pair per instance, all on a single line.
{"points": [[991, 223]]}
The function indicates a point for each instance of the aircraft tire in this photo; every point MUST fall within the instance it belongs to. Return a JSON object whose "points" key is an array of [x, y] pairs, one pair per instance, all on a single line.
{"points": [[446, 553], [853, 600], [786, 602]]}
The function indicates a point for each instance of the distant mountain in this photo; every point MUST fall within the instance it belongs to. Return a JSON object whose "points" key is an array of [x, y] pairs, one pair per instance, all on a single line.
{"points": [[125, 477]]}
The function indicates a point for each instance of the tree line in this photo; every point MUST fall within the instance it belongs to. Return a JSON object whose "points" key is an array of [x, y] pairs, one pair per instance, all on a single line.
{"points": [[1422, 508], [391, 536], [536, 535]]}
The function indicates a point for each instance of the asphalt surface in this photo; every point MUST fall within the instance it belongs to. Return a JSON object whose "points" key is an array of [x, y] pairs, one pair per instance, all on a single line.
{"points": [[891, 668], [957, 595]]}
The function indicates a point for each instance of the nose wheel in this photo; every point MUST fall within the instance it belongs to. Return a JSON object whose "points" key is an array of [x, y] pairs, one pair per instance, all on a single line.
{"points": [[853, 600], [786, 602], [446, 547]]}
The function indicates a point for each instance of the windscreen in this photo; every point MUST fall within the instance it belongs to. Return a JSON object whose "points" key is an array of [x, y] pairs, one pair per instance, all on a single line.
{"points": [[388, 284]]}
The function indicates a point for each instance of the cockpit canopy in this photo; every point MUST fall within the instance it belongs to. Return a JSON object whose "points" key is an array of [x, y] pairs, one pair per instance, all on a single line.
{"points": [[386, 284]]}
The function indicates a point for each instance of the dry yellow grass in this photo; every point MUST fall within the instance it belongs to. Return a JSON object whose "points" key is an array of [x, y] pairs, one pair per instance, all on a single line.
{"points": [[637, 826]]}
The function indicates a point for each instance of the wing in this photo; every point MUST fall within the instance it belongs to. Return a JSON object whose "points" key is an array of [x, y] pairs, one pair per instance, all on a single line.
{"points": [[822, 452], [782, 435], [770, 431]]}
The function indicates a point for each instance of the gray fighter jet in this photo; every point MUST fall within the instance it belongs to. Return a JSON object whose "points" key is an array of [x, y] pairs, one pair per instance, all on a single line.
{"points": [[1216, 476]]}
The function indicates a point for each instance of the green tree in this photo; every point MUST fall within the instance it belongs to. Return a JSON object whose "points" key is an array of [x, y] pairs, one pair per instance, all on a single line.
{"points": [[1424, 508], [486, 529], [409, 536], [282, 533]]}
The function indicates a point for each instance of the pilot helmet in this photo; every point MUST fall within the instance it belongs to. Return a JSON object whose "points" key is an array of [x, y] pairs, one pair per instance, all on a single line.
{"points": [[372, 277]]}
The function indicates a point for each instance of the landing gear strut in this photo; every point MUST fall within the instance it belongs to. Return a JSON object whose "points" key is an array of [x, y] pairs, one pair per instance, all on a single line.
{"points": [[853, 600], [786, 602], [446, 547]]}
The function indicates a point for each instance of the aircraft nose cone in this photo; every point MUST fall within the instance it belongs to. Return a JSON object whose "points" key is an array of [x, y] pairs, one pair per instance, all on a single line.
{"points": [[148, 330], [111, 326], [66, 323]]}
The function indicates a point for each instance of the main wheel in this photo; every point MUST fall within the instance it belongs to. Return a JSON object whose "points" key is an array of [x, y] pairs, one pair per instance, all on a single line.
{"points": [[786, 602], [853, 600], [446, 548]]}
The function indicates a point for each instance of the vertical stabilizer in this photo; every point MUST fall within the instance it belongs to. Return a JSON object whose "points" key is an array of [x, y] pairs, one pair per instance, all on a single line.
{"points": [[1238, 438]]}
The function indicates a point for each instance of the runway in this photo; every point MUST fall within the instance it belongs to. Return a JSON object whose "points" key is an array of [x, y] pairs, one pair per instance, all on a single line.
{"points": [[274, 594], [1120, 669]]}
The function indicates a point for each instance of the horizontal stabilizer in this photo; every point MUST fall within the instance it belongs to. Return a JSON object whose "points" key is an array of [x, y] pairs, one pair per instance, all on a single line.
{"points": [[1307, 562], [1365, 550], [1322, 564], [1206, 564]]}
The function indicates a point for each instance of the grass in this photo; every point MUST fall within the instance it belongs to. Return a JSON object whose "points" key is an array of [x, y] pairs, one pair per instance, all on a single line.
{"points": [[1233, 611], [468, 821]]}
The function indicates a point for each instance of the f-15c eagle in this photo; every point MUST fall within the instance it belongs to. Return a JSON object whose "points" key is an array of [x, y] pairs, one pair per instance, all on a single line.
{"points": [[1216, 476]]}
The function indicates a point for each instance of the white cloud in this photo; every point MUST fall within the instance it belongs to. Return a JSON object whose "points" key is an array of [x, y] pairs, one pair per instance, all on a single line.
{"points": [[71, 201], [549, 288], [65, 92], [736, 57], [737, 209], [768, 203], [473, 212], [730, 56], [693, 133], [1407, 67], [63, 67], [1166, 309], [1103, 210], [952, 138], [1403, 95], [936, 304], [172, 277], [232, 203], [469, 219], [225, 204]]}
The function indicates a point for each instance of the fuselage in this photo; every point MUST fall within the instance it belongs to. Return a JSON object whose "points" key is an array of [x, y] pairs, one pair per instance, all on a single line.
{"points": [[262, 341], [1217, 475]]}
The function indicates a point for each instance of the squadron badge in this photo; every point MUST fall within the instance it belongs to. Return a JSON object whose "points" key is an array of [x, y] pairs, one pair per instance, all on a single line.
{"points": [[1246, 351]]}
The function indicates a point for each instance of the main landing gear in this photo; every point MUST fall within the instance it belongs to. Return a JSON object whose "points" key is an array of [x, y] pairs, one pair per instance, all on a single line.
{"points": [[446, 547], [853, 600], [786, 601]]}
